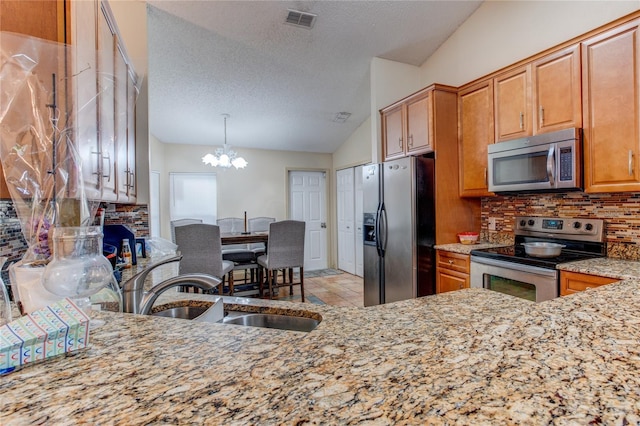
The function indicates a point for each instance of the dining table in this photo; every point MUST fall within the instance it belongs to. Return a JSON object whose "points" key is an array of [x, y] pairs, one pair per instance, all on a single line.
{"points": [[228, 238]]}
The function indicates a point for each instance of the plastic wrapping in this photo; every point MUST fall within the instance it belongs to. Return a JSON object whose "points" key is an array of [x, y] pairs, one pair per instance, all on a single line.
{"points": [[62, 108], [41, 164]]}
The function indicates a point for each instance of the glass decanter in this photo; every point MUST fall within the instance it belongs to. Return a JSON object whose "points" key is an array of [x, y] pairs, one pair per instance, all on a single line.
{"points": [[5, 306], [80, 271]]}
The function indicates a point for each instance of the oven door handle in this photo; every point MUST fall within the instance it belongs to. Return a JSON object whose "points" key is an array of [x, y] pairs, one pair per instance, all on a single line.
{"points": [[515, 266], [551, 165]]}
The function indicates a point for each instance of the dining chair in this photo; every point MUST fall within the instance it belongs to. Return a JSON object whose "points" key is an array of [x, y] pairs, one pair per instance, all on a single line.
{"points": [[201, 250], [181, 222], [285, 251], [259, 224], [243, 258]]}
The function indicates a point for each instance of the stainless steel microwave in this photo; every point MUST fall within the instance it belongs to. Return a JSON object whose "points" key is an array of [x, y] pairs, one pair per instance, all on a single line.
{"points": [[548, 162]]}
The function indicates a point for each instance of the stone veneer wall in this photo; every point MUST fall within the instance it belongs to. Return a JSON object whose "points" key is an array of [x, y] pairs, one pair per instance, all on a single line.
{"points": [[13, 244], [620, 212]]}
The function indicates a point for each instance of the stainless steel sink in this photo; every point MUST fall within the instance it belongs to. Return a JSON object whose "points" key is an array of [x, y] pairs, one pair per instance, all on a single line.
{"points": [[281, 322], [182, 312]]}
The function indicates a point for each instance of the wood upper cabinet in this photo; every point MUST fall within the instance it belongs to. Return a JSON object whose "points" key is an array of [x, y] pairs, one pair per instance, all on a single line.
{"points": [[557, 91], [392, 132], [512, 97], [539, 97], [574, 282], [418, 131], [407, 125], [611, 108], [39, 18], [97, 87], [452, 271], [475, 133]]}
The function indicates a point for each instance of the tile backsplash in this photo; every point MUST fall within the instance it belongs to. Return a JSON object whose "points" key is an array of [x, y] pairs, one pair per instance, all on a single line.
{"points": [[619, 211], [13, 244]]}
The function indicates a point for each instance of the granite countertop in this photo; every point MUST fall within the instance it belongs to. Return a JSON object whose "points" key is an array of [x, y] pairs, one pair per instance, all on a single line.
{"points": [[466, 248], [605, 267], [467, 357]]}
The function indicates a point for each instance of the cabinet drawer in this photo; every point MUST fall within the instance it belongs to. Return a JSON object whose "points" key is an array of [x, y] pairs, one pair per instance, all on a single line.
{"points": [[448, 280], [453, 261], [573, 282]]}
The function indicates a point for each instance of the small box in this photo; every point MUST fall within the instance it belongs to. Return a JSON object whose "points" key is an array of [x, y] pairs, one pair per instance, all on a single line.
{"points": [[56, 329]]}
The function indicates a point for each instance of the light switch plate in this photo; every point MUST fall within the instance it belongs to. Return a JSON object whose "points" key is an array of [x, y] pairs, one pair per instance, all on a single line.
{"points": [[492, 224]]}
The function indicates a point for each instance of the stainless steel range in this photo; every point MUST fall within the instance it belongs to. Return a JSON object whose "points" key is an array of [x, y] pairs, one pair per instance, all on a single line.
{"points": [[512, 271]]}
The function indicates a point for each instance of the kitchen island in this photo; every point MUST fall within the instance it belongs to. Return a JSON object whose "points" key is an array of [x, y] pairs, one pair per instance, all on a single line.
{"points": [[466, 357]]}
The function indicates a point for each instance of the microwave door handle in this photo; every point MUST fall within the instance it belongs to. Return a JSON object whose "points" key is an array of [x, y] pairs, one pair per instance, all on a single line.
{"points": [[551, 164]]}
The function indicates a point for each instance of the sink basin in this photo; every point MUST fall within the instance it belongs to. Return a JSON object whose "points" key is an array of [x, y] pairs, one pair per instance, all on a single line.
{"points": [[281, 322], [207, 312], [182, 312]]}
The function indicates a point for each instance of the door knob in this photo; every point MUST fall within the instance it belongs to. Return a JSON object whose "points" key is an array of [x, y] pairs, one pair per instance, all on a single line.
{"points": [[323, 225]]}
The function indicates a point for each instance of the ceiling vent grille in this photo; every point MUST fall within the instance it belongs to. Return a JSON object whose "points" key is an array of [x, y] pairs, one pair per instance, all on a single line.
{"points": [[300, 19], [341, 117]]}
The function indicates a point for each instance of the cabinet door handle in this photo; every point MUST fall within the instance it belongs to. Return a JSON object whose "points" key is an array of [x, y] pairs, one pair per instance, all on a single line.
{"points": [[108, 157], [410, 141], [521, 120], [450, 262], [99, 167], [400, 142], [541, 116], [630, 163]]}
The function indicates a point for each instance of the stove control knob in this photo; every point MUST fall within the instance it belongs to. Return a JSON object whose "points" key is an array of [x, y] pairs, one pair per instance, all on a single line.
{"points": [[532, 222], [523, 222], [588, 227], [577, 225]]}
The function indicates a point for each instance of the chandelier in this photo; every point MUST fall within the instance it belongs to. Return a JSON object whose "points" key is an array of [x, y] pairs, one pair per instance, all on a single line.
{"points": [[225, 157]]}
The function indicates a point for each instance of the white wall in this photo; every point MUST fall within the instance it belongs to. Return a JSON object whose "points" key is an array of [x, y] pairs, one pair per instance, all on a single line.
{"points": [[260, 189], [356, 150], [390, 81], [500, 33]]}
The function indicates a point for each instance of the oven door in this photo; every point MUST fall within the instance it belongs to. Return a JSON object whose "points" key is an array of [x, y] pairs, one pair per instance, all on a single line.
{"points": [[524, 281]]}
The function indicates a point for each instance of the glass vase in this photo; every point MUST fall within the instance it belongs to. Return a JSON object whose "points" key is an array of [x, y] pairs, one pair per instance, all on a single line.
{"points": [[5, 306], [80, 271]]}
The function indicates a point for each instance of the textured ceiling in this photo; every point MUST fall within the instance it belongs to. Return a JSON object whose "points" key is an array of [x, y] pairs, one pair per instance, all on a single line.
{"points": [[281, 85]]}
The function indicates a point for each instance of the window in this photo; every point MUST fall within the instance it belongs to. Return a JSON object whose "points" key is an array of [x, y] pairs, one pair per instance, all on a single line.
{"points": [[193, 196]]}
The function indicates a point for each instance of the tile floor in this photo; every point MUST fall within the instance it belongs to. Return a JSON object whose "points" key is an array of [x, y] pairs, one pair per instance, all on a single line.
{"points": [[328, 287]]}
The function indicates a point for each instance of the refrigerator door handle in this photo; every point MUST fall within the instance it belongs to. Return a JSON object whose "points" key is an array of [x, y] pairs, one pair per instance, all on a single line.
{"points": [[377, 230], [382, 230]]}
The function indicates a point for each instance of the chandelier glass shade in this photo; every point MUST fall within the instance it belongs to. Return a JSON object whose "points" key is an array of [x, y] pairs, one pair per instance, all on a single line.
{"points": [[225, 157]]}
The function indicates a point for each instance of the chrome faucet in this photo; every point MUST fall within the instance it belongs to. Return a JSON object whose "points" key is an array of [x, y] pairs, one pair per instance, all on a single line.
{"points": [[137, 301]]}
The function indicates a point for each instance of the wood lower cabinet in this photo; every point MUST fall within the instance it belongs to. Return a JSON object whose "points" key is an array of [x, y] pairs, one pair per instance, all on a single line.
{"points": [[574, 282], [452, 271], [611, 109], [475, 134]]}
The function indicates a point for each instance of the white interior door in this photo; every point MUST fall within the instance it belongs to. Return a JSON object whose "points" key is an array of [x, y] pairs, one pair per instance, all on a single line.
{"points": [[307, 202], [346, 221], [154, 204], [358, 194]]}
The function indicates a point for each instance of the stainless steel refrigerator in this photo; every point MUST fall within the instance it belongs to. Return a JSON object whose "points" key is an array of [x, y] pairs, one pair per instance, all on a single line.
{"points": [[399, 230]]}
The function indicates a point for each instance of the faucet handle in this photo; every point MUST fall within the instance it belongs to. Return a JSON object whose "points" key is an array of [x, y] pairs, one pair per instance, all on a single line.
{"points": [[133, 288]]}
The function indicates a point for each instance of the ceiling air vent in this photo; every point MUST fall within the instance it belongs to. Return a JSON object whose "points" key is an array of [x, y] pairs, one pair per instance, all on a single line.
{"points": [[341, 117], [300, 19]]}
